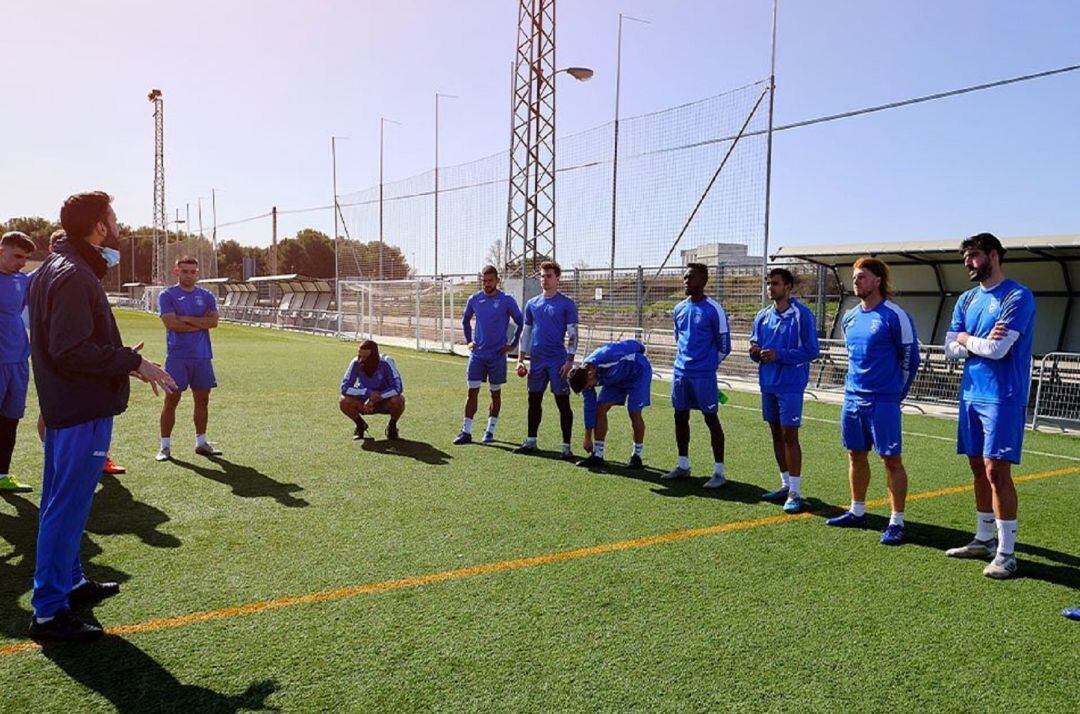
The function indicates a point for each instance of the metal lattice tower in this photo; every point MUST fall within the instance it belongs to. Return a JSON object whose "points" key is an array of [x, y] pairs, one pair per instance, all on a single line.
{"points": [[530, 221], [160, 237]]}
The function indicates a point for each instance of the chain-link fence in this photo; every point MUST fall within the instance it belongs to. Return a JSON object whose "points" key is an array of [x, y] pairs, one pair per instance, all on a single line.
{"points": [[667, 161]]}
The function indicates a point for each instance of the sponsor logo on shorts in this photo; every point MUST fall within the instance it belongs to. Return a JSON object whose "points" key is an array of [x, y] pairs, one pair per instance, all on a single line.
{"points": [[894, 445], [99, 453]]}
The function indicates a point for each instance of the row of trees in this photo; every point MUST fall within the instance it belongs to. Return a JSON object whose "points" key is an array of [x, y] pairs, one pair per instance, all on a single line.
{"points": [[309, 252]]}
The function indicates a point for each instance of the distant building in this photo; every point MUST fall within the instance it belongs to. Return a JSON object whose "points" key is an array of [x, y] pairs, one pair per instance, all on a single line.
{"points": [[726, 254]]}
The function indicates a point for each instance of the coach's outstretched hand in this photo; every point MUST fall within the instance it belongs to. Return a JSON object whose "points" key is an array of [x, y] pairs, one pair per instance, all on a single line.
{"points": [[153, 374]]}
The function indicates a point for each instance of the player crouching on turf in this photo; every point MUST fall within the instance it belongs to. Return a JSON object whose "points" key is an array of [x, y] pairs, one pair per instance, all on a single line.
{"points": [[372, 385], [625, 376]]}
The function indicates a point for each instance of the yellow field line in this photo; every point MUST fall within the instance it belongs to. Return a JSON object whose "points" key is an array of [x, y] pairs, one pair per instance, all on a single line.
{"points": [[460, 573]]}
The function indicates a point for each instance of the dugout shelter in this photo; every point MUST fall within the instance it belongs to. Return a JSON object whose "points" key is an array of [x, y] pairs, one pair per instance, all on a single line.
{"points": [[929, 277]]}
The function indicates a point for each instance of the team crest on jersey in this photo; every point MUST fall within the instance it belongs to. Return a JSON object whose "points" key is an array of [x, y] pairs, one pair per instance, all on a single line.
{"points": [[875, 325], [697, 317], [199, 301], [495, 303], [993, 306]]}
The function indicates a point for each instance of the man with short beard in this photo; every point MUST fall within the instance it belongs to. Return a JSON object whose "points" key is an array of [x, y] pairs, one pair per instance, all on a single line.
{"points": [[81, 371], [372, 385], [991, 330]]}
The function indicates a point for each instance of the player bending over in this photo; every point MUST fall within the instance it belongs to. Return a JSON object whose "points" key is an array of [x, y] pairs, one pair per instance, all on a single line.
{"points": [[372, 385], [493, 310], [625, 377]]}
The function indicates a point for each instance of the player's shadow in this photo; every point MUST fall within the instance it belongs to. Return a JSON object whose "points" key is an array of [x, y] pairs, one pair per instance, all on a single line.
{"points": [[117, 512], [247, 482], [1063, 570], [17, 567], [737, 491], [419, 450], [133, 681]]}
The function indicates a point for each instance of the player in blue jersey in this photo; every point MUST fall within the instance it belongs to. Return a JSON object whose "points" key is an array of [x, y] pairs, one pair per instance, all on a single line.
{"points": [[991, 330], [702, 341], [372, 385], [624, 376], [784, 342], [883, 356], [15, 249], [549, 339], [189, 313], [489, 345]]}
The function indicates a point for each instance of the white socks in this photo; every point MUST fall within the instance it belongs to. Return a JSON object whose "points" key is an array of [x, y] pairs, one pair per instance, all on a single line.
{"points": [[784, 477], [1006, 537], [684, 462], [858, 508], [530, 440], [466, 426], [200, 440], [984, 526], [794, 483], [639, 450], [598, 449], [492, 421], [896, 519], [166, 442], [565, 448], [718, 469]]}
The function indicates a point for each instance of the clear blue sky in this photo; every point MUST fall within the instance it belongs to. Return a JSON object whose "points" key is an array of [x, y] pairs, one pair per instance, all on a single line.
{"points": [[254, 90]]}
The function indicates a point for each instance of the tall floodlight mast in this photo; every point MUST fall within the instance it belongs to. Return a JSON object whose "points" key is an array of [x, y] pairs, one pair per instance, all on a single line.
{"points": [[160, 235], [530, 224]]}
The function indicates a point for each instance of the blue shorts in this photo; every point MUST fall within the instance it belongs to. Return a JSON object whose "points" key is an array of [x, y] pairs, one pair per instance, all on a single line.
{"points": [[14, 379], [699, 392], [194, 373], [783, 408], [636, 395], [866, 423], [381, 408], [541, 375], [490, 369], [993, 431]]}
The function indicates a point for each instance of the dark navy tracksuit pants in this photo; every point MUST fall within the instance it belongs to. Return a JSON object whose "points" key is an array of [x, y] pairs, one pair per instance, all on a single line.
{"points": [[74, 458]]}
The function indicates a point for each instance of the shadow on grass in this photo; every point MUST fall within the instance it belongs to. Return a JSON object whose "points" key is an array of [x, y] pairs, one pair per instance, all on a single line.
{"points": [[419, 450], [133, 681], [246, 482], [1064, 570], [116, 512], [17, 567]]}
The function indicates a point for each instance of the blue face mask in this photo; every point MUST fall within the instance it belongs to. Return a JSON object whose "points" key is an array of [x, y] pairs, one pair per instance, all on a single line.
{"points": [[111, 256]]}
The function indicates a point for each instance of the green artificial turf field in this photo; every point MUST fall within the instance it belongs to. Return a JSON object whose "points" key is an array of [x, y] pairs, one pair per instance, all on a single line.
{"points": [[767, 613]]}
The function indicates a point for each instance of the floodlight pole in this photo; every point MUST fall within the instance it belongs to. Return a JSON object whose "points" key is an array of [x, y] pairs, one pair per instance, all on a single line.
{"points": [[768, 153], [382, 240], [437, 97], [615, 149], [213, 235], [334, 208]]}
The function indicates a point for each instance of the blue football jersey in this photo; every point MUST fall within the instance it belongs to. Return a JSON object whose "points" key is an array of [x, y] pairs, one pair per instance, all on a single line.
{"points": [[793, 335], [702, 337], [14, 344], [549, 318], [197, 303], [883, 351], [386, 380], [1005, 380], [493, 314], [618, 362]]}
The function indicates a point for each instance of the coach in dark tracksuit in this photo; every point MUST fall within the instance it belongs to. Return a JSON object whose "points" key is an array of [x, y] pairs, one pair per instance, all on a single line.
{"points": [[81, 371]]}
